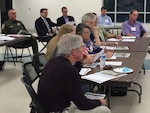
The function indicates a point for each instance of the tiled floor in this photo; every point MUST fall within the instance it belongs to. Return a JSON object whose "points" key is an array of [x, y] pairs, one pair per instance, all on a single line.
{"points": [[15, 99]]}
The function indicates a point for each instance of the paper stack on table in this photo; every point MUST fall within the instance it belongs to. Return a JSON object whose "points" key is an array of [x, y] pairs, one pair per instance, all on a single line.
{"points": [[103, 76]]}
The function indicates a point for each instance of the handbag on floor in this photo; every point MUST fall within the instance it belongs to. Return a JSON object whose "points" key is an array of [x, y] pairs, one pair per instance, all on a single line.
{"points": [[119, 91]]}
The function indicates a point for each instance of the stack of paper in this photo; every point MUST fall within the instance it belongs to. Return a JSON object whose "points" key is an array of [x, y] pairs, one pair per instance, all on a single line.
{"points": [[128, 37], [122, 55], [128, 40], [109, 47], [94, 96], [116, 47], [113, 40], [113, 63], [122, 48], [102, 76]]}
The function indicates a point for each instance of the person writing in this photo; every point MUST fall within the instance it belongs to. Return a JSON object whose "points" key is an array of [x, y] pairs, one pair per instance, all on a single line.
{"points": [[59, 87]]}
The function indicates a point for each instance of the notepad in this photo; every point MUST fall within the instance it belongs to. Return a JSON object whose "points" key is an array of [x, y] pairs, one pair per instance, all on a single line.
{"points": [[94, 96], [128, 37], [122, 48], [113, 63], [128, 40], [103, 76], [84, 71], [122, 55]]}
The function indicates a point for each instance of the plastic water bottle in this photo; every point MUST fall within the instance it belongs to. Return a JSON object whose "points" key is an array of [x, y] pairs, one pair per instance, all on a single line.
{"points": [[102, 59]]}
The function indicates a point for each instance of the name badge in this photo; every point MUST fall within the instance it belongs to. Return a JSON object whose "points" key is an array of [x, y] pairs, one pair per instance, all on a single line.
{"points": [[133, 28], [106, 21]]}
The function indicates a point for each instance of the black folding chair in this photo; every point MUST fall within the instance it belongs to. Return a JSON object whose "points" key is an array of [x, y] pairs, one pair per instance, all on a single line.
{"points": [[29, 76], [39, 62]]}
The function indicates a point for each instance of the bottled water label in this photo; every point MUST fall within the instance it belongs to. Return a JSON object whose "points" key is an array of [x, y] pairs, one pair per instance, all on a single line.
{"points": [[102, 60]]}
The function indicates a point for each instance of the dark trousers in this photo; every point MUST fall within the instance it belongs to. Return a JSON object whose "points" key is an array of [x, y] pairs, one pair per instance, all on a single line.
{"points": [[31, 42]]}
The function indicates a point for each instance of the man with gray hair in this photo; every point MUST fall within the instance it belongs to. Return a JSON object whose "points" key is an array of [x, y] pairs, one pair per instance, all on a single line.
{"points": [[59, 88], [90, 20]]}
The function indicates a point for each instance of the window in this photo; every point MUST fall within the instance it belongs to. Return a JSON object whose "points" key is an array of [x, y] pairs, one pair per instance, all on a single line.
{"points": [[119, 10]]}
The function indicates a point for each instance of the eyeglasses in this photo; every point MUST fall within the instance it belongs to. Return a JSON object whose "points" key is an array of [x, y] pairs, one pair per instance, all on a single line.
{"points": [[87, 33], [81, 47], [91, 22], [134, 14]]}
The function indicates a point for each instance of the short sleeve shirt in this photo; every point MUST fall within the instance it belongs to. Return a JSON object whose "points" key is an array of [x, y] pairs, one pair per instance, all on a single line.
{"points": [[135, 29]]}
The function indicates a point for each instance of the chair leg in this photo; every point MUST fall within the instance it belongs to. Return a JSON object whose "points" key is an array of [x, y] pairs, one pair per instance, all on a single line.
{"points": [[15, 55], [21, 55], [30, 54], [45, 45], [143, 68], [6, 55]]}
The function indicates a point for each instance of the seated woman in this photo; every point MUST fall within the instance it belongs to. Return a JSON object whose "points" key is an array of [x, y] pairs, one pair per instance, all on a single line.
{"points": [[52, 45], [84, 31]]}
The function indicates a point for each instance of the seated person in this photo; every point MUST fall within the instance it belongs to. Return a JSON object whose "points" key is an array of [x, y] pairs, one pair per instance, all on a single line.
{"points": [[89, 19], [132, 27], [103, 34], [52, 45], [66, 95], [44, 26], [104, 19], [64, 19], [84, 31], [13, 26]]}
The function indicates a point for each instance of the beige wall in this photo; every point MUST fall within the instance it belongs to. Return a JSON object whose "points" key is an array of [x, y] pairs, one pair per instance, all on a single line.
{"points": [[28, 10]]}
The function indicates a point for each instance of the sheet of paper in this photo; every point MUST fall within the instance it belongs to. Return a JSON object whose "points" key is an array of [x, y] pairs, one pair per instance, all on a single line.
{"points": [[122, 55], [84, 71], [113, 40], [128, 40], [122, 48], [113, 63], [18, 35], [6, 38], [102, 76], [116, 47], [94, 96], [129, 37], [109, 47]]}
